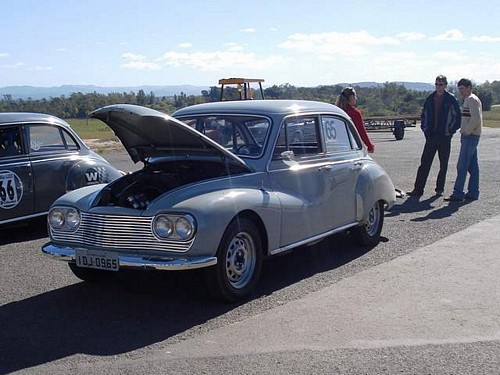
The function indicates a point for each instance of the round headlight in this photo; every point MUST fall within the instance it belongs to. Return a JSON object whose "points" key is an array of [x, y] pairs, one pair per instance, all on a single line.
{"points": [[72, 218], [56, 218], [184, 228], [163, 227]]}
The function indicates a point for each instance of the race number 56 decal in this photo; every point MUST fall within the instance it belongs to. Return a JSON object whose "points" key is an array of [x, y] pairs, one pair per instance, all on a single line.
{"points": [[11, 189]]}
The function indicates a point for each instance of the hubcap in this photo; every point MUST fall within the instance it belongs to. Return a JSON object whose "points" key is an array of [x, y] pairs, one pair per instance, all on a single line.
{"points": [[372, 222], [240, 260]]}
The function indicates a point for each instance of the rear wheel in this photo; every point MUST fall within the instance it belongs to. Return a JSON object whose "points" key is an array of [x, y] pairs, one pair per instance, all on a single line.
{"points": [[368, 233], [239, 261], [90, 275]]}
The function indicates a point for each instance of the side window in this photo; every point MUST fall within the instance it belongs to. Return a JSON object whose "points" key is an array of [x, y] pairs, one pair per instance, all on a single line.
{"points": [[45, 138], [299, 135], [338, 137], [10, 141]]}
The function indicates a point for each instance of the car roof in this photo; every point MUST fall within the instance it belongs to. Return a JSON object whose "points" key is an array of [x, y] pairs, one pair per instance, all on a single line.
{"points": [[260, 107], [22, 117]]}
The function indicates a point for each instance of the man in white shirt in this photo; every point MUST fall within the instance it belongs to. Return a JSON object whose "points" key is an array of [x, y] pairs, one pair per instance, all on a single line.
{"points": [[470, 129]]}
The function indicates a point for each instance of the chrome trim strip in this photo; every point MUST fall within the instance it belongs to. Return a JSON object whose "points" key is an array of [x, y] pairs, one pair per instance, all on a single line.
{"points": [[20, 218], [160, 263], [312, 239]]}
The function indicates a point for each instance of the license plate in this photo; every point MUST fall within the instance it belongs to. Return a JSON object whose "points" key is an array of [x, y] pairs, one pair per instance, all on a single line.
{"points": [[100, 260]]}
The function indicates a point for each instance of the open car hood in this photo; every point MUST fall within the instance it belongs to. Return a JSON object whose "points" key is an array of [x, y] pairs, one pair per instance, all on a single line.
{"points": [[146, 133]]}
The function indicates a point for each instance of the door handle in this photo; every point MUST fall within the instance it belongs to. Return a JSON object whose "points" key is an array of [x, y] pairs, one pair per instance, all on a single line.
{"points": [[325, 168]]}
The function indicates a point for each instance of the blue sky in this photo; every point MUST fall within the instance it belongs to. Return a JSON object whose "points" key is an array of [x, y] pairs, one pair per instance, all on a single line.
{"points": [[303, 43]]}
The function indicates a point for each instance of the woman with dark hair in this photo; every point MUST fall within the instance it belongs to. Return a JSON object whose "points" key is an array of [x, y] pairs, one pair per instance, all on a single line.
{"points": [[347, 101]]}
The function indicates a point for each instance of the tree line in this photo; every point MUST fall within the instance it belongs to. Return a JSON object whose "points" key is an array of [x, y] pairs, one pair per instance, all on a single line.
{"points": [[389, 99]]}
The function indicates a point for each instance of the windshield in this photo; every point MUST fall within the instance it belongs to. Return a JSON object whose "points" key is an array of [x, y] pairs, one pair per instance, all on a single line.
{"points": [[242, 135]]}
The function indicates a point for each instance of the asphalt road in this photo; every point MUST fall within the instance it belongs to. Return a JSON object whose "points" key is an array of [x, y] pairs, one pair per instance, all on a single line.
{"points": [[50, 322]]}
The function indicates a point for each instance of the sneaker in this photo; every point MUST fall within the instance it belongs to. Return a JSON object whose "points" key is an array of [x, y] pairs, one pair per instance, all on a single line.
{"points": [[415, 193], [469, 197], [453, 198], [439, 193]]}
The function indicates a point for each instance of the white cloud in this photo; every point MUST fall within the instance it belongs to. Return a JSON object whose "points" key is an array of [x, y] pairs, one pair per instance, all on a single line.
{"points": [[335, 43], [410, 36], [320, 58], [62, 50], [17, 65], [248, 30], [450, 35], [29, 67], [485, 38], [234, 47], [3, 54], [138, 62], [217, 60], [39, 68], [457, 35], [449, 56]]}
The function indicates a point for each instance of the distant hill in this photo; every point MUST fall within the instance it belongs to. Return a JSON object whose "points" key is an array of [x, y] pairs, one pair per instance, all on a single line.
{"points": [[26, 92], [36, 93], [418, 86]]}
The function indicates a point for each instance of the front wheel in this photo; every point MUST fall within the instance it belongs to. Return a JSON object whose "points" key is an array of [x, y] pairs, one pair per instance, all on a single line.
{"points": [[368, 233], [90, 275], [239, 261]]}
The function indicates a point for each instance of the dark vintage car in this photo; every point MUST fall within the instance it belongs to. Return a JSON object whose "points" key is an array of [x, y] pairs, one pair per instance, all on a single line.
{"points": [[42, 158], [223, 186]]}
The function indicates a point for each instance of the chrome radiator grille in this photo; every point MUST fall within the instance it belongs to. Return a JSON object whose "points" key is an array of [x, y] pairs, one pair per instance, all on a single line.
{"points": [[118, 232]]}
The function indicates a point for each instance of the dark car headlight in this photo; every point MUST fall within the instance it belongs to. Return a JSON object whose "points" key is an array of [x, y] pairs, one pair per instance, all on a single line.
{"points": [[64, 218], [175, 227]]}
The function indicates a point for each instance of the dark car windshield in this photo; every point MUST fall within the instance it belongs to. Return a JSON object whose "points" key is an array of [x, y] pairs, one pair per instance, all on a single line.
{"points": [[242, 135]]}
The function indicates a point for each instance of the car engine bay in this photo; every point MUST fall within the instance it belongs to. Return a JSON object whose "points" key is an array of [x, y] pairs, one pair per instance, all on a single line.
{"points": [[137, 190]]}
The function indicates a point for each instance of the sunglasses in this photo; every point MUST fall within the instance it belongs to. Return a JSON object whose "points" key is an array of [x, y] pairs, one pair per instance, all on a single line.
{"points": [[440, 84]]}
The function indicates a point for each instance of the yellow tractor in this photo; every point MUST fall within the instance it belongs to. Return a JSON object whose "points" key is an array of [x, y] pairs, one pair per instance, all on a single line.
{"points": [[243, 86]]}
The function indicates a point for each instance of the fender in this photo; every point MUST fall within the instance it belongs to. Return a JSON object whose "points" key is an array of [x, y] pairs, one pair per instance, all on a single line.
{"points": [[374, 185], [214, 211], [90, 172]]}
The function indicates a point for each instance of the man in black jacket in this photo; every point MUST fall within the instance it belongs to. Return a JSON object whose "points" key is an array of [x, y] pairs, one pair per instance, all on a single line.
{"points": [[440, 119]]}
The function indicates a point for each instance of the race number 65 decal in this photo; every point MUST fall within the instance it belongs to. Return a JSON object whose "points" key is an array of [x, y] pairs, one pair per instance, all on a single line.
{"points": [[330, 131], [11, 189]]}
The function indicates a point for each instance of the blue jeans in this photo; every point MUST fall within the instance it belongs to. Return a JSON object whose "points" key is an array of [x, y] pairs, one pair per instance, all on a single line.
{"points": [[467, 162]]}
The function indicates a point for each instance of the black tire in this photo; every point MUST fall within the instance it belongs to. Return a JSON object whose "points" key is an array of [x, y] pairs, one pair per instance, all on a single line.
{"points": [[239, 262], [90, 275], [399, 133], [368, 233]]}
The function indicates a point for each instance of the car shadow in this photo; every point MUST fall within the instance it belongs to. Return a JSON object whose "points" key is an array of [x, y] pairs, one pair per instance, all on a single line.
{"points": [[25, 231], [302, 263], [138, 309]]}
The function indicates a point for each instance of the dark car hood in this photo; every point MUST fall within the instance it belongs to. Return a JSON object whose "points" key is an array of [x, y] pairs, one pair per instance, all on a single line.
{"points": [[146, 133]]}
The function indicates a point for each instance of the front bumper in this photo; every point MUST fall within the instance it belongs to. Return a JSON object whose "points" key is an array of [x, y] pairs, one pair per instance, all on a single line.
{"points": [[160, 263]]}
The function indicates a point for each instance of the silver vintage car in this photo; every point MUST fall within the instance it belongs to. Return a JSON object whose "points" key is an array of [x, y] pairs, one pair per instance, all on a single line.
{"points": [[42, 158], [223, 186]]}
